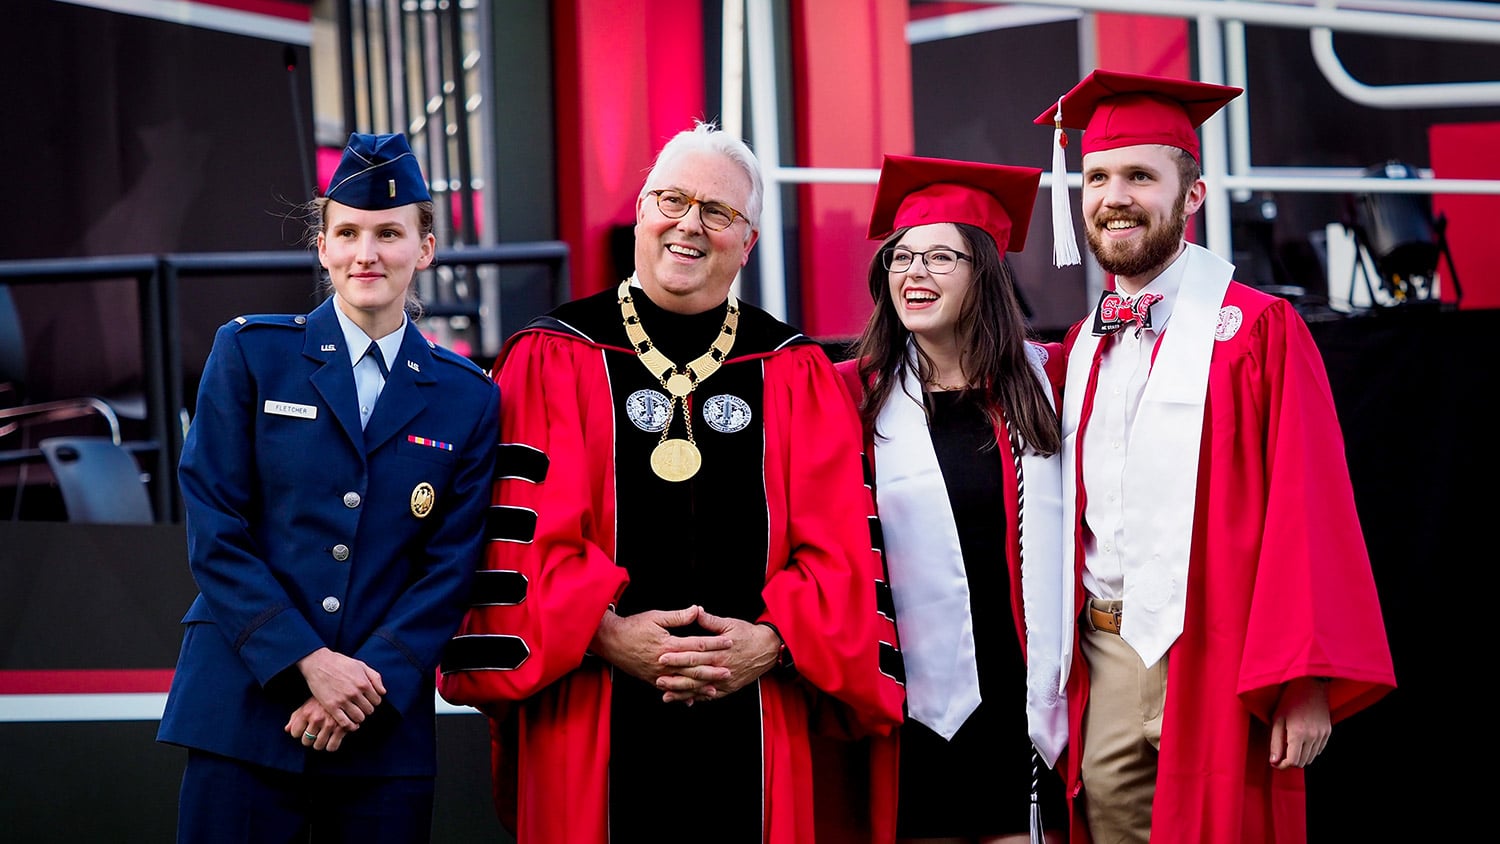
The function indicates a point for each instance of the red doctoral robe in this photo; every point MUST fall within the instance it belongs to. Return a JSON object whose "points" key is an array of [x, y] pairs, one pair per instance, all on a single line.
{"points": [[521, 659], [1279, 587]]}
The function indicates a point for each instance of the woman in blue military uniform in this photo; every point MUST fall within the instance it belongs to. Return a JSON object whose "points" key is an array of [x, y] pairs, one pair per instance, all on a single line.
{"points": [[336, 480]]}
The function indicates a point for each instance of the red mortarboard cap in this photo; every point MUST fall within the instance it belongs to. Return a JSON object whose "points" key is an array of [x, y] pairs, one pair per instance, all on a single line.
{"points": [[1124, 109], [916, 191], [377, 172]]}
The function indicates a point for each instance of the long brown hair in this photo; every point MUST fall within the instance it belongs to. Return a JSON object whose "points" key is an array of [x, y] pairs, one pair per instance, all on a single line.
{"points": [[992, 332]]}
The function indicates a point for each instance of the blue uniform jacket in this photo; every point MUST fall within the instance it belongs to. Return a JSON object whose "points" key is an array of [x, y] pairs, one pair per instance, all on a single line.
{"points": [[305, 531]]}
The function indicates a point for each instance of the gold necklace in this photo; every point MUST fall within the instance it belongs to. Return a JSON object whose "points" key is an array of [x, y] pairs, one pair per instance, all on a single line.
{"points": [[947, 388], [676, 459]]}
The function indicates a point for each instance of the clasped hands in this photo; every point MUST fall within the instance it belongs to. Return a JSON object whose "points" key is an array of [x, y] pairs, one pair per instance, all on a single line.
{"points": [[345, 691], [687, 668]]}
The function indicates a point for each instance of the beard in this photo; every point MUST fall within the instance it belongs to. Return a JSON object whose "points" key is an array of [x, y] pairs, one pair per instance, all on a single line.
{"points": [[1154, 251]]}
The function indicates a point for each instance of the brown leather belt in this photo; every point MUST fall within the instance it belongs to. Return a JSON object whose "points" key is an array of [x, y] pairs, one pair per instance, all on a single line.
{"points": [[1104, 615]]}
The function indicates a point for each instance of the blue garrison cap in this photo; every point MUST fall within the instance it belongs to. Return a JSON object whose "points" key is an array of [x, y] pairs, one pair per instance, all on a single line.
{"points": [[377, 172]]}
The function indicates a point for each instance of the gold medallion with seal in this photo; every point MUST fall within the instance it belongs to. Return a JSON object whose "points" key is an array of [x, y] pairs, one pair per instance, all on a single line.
{"points": [[676, 459]]}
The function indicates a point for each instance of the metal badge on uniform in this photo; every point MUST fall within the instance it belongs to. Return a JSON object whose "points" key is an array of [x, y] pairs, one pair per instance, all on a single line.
{"points": [[422, 499], [329, 347], [286, 408], [726, 414], [412, 365]]}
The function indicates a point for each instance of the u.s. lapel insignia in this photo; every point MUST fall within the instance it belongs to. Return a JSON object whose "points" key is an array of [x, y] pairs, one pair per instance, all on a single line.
{"points": [[726, 414], [422, 499], [329, 347]]}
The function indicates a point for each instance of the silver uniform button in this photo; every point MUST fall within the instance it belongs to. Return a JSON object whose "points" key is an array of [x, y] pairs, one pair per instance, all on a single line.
{"points": [[330, 604], [351, 500], [341, 552], [300, 319]]}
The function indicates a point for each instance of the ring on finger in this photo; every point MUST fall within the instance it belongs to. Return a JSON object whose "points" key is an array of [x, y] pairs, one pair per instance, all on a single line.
{"points": [[309, 736]]}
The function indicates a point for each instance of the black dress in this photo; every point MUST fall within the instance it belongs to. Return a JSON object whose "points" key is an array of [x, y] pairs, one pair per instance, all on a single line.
{"points": [[980, 782]]}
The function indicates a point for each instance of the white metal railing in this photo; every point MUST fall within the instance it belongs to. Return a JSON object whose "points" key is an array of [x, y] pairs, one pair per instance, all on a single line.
{"points": [[1222, 59]]}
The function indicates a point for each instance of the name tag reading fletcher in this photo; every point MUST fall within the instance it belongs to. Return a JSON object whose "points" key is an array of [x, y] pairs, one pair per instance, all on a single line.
{"points": [[282, 408]]}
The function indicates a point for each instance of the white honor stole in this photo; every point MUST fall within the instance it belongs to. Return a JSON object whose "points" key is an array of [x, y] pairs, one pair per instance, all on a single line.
{"points": [[930, 587], [1161, 463]]}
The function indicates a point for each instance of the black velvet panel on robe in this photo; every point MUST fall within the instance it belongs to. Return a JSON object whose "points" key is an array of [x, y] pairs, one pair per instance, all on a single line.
{"points": [[702, 542]]}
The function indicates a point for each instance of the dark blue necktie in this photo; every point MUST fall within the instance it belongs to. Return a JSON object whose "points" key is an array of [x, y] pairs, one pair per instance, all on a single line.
{"points": [[374, 352]]}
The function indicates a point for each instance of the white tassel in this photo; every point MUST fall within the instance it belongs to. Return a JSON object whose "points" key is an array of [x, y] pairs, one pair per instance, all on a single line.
{"points": [[1064, 241], [1036, 806]]}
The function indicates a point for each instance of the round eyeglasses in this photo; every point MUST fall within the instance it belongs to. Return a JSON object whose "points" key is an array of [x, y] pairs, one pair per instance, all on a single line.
{"points": [[716, 216], [937, 261]]}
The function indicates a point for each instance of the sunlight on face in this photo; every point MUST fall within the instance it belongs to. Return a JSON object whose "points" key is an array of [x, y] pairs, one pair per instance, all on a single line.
{"points": [[928, 303], [683, 265], [371, 258]]}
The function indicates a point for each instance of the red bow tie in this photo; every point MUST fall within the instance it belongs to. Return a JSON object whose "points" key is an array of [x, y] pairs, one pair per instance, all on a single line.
{"points": [[1116, 312]]}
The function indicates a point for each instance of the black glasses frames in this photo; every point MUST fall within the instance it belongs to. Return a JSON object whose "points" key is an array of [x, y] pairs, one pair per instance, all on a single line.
{"points": [[937, 261]]}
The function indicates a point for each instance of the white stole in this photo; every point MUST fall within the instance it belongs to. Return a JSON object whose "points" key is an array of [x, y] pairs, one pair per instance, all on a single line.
{"points": [[1161, 463], [930, 587]]}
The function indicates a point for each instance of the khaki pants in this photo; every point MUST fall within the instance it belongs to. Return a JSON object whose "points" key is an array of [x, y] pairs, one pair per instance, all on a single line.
{"points": [[1121, 735]]}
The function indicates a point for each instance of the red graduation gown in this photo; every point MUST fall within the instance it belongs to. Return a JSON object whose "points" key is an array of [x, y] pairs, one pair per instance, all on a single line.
{"points": [[881, 754], [1279, 587], [551, 714]]}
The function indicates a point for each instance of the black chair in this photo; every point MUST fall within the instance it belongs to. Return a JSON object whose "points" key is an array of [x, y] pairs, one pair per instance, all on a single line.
{"points": [[20, 410], [15, 409], [28, 416], [100, 481]]}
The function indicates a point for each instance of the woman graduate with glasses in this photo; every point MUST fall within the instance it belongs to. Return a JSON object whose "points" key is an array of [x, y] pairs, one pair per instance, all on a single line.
{"points": [[336, 480], [958, 408]]}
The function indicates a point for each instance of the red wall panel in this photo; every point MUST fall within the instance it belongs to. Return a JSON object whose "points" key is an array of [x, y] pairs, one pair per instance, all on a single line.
{"points": [[852, 84], [629, 75], [1466, 151], [1143, 44]]}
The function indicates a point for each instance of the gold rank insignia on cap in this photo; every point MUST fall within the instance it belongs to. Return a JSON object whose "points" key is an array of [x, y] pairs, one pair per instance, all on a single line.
{"points": [[369, 160], [422, 498]]}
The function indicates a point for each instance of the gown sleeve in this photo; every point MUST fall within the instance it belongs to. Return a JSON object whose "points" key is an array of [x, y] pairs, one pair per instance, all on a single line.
{"points": [[548, 575], [830, 600], [1314, 611]]}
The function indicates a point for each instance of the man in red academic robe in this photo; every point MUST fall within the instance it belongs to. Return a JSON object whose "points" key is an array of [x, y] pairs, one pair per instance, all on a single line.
{"points": [[1228, 613], [684, 581]]}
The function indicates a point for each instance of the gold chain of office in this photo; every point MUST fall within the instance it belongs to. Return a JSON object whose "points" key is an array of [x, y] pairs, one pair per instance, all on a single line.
{"points": [[674, 458]]}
